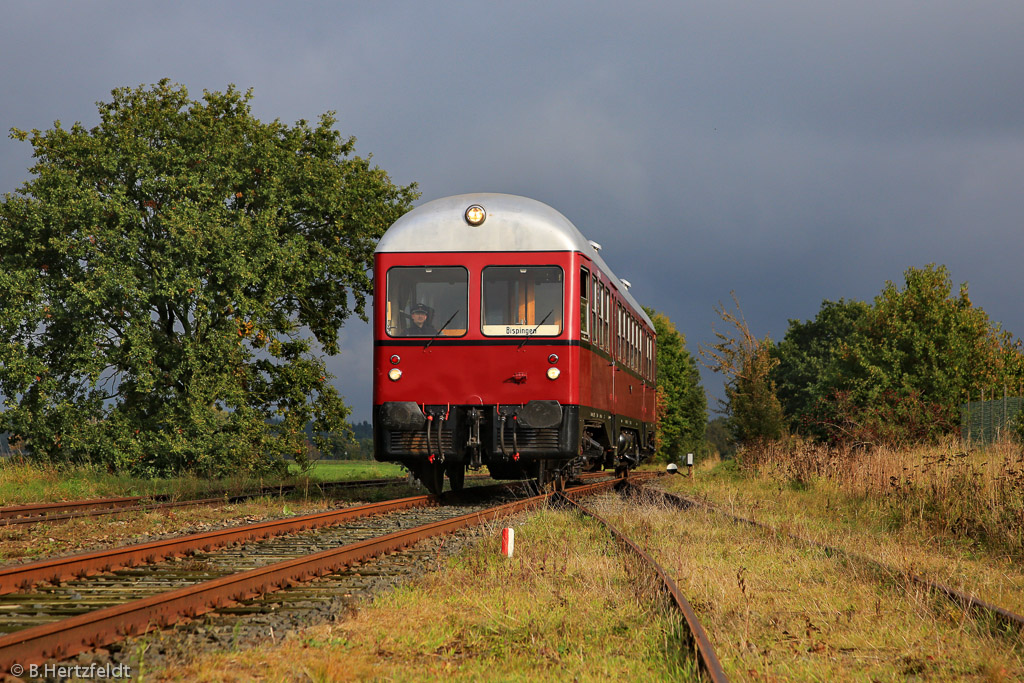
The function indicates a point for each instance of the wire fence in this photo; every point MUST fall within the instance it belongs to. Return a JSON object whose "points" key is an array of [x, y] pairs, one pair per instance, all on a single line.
{"points": [[984, 422]]}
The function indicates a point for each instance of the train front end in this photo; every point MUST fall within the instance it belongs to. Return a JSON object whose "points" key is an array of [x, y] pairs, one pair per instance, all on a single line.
{"points": [[475, 344]]}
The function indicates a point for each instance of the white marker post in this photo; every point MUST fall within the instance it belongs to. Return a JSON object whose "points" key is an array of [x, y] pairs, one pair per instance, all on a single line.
{"points": [[689, 464], [508, 541]]}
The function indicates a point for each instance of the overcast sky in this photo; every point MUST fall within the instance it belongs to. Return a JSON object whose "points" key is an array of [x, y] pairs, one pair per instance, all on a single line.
{"points": [[788, 151]]}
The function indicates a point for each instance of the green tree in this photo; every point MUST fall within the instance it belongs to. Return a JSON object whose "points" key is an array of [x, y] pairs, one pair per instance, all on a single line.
{"points": [[682, 405], [926, 339], [811, 358], [896, 370], [170, 277], [754, 411]]}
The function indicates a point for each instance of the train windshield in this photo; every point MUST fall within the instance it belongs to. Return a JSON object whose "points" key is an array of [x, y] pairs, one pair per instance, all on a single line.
{"points": [[522, 300], [427, 301]]}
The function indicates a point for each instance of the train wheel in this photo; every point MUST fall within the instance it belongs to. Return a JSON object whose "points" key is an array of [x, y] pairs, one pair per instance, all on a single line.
{"points": [[431, 476], [456, 476]]}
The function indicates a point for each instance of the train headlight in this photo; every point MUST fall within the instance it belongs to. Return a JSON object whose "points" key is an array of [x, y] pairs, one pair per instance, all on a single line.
{"points": [[475, 215], [394, 374], [553, 373]]}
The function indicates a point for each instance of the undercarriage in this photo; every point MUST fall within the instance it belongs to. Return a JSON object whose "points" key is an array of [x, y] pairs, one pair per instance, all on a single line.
{"points": [[539, 440]]}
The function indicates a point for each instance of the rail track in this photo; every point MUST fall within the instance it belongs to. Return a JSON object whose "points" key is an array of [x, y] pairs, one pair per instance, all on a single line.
{"points": [[706, 657], [964, 600], [95, 612], [54, 612]]}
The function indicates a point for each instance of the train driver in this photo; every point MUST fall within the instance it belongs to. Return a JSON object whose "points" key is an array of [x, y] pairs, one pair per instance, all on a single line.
{"points": [[421, 326]]}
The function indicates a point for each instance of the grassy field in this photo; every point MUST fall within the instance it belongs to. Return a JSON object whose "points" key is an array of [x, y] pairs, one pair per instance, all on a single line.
{"points": [[569, 606]]}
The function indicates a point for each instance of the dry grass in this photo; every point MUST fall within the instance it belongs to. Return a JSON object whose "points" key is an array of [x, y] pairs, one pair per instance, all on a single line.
{"points": [[879, 526], [778, 611], [975, 496]]}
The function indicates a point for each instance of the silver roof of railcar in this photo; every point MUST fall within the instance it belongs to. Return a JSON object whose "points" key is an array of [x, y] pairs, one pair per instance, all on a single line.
{"points": [[513, 224]]}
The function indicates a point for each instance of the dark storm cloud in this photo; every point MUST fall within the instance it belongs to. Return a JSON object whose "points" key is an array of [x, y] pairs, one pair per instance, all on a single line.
{"points": [[790, 151]]}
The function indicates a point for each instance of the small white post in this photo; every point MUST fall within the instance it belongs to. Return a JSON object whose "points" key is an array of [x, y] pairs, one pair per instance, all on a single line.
{"points": [[508, 541]]}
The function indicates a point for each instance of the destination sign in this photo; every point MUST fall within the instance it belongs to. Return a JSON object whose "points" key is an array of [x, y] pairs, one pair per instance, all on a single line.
{"points": [[523, 330]]}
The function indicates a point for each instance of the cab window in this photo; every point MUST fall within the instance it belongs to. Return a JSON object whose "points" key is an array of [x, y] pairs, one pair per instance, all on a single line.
{"points": [[522, 300], [425, 301]]}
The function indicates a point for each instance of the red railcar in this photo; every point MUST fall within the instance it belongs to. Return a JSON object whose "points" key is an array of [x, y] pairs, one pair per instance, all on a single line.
{"points": [[502, 339]]}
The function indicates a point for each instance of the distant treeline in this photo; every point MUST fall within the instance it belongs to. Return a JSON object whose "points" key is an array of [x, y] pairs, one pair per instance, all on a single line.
{"points": [[341, 447]]}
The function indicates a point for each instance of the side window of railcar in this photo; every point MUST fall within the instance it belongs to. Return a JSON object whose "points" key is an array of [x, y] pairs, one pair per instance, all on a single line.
{"points": [[629, 340], [522, 300], [645, 349], [605, 299], [424, 301], [642, 351], [632, 342], [647, 355], [617, 350], [636, 345], [584, 304]]}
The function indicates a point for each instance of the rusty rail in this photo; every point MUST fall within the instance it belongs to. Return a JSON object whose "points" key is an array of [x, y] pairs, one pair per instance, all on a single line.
{"points": [[41, 509], [706, 657], [965, 600], [58, 569], [35, 513], [68, 637]]}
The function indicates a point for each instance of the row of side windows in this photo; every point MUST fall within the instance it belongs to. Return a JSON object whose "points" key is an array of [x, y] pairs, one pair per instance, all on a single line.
{"points": [[633, 345]]}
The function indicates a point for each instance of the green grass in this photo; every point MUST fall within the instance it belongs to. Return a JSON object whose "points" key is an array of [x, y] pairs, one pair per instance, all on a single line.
{"points": [[339, 470], [22, 482]]}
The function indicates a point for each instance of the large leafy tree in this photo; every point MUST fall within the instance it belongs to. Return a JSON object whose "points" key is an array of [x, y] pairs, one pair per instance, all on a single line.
{"points": [[682, 405], [171, 277], [898, 369]]}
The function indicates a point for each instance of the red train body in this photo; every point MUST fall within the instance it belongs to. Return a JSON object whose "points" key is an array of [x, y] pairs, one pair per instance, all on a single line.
{"points": [[501, 339]]}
